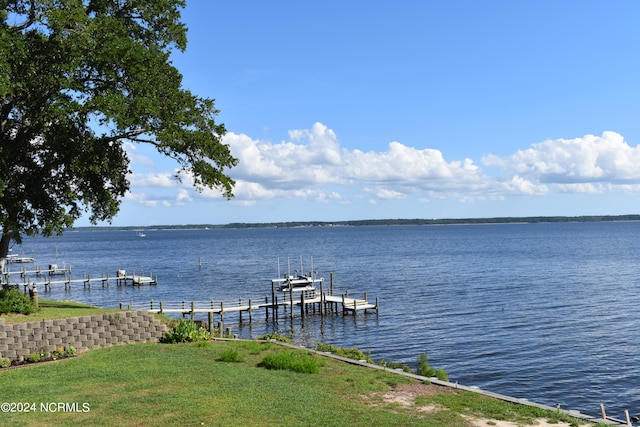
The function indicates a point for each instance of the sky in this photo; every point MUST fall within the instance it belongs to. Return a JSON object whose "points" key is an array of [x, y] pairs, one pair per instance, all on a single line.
{"points": [[346, 110]]}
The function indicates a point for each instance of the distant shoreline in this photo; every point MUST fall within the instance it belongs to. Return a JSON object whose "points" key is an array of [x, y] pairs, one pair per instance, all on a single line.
{"points": [[380, 222]]}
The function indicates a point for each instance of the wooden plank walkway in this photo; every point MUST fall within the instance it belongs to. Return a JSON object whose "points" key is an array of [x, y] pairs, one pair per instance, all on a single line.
{"points": [[322, 303], [86, 281]]}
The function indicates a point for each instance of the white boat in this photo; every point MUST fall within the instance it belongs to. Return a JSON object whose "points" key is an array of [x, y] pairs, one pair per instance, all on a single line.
{"points": [[18, 258], [141, 234], [298, 282]]}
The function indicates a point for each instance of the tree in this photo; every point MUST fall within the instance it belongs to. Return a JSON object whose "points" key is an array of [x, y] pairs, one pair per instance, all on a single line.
{"points": [[78, 80]]}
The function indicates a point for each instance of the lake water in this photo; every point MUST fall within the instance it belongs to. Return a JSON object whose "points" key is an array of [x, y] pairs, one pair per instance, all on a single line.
{"points": [[546, 312]]}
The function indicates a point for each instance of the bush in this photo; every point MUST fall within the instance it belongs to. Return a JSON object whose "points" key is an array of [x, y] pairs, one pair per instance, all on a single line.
{"points": [[34, 358], [390, 364], [427, 371], [5, 362], [14, 301], [186, 331], [350, 353], [291, 360], [256, 347], [230, 355], [275, 337], [70, 351]]}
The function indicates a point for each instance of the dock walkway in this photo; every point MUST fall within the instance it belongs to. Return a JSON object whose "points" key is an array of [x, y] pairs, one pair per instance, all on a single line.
{"points": [[47, 282], [323, 303]]}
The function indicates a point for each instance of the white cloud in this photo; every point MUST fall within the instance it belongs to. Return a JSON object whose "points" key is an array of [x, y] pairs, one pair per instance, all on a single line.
{"points": [[136, 157], [313, 166], [384, 193], [313, 160], [575, 165], [183, 197], [163, 179]]}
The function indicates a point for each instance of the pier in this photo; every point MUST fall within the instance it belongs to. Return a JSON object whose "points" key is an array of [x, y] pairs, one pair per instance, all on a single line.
{"points": [[120, 279], [307, 302]]}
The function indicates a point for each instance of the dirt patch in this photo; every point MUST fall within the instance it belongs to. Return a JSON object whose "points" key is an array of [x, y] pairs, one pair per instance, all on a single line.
{"points": [[405, 395], [494, 423]]}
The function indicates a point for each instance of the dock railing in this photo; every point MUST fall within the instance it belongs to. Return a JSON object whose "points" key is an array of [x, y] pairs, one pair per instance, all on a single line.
{"points": [[306, 301]]}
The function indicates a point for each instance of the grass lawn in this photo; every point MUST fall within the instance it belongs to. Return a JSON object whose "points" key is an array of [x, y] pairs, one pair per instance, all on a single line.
{"points": [[51, 309], [188, 384]]}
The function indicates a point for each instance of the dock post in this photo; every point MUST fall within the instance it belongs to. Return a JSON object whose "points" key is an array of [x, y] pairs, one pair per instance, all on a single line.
{"points": [[161, 307], [343, 306], [273, 300], [331, 284], [302, 304], [250, 320], [266, 306], [221, 316], [376, 306], [321, 299], [213, 314], [626, 415], [193, 310], [602, 411], [211, 327], [291, 300], [151, 305]]}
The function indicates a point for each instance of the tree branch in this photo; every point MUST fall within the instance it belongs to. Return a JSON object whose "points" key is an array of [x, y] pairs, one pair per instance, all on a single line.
{"points": [[31, 17]]}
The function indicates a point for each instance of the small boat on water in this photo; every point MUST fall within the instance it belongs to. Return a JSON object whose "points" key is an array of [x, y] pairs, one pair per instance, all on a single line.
{"points": [[297, 283], [141, 234]]}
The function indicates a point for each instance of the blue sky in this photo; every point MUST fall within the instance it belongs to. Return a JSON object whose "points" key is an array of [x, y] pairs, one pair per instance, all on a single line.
{"points": [[341, 110]]}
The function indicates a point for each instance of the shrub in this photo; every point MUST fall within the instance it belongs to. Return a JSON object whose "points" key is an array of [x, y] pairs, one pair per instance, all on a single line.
{"points": [[186, 331], [276, 337], [34, 358], [70, 351], [230, 355], [291, 360], [256, 347], [390, 364], [350, 353], [14, 301], [427, 371], [5, 362]]}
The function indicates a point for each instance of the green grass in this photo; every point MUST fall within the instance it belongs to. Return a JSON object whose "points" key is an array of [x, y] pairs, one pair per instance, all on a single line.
{"points": [[188, 384], [50, 309]]}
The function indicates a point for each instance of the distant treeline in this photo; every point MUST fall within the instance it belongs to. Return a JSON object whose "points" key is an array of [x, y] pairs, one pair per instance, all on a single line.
{"points": [[379, 222]]}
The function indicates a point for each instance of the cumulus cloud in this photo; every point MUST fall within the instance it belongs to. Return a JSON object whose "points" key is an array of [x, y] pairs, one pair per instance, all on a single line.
{"points": [[312, 160], [163, 179], [312, 165], [590, 164]]}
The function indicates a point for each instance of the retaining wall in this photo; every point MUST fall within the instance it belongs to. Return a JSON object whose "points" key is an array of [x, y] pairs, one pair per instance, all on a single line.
{"points": [[19, 340]]}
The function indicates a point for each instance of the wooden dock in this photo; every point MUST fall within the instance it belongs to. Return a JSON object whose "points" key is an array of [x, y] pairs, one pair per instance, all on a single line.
{"points": [[104, 280], [306, 302], [321, 303]]}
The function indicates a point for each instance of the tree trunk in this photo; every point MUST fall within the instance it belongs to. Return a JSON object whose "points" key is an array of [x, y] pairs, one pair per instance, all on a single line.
{"points": [[4, 247]]}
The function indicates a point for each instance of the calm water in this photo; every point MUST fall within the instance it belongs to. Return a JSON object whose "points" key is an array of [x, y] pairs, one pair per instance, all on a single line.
{"points": [[546, 312]]}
